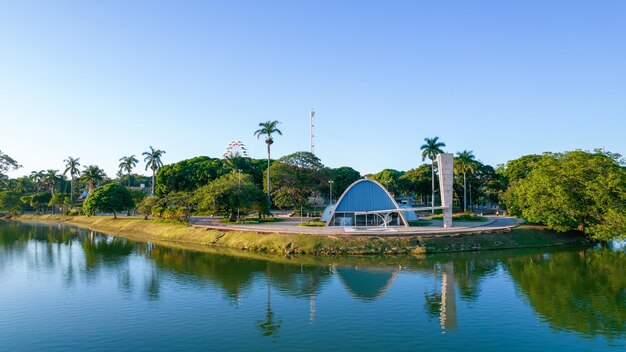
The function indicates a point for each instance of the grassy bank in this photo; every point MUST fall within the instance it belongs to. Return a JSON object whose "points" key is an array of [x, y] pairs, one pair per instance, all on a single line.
{"points": [[192, 237]]}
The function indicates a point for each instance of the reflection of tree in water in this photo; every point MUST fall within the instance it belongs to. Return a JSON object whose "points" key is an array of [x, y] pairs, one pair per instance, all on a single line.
{"points": [[105, 251], [582, 291], [152, 286], [41, 243], [301, 281], [230, 273], [269, 326]]}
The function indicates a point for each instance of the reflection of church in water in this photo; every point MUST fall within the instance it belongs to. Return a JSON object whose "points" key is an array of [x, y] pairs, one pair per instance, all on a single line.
{"points": [[371, 283]]}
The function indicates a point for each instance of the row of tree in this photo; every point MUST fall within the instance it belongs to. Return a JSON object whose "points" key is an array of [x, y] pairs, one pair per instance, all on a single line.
{"points": [[583, 190]]}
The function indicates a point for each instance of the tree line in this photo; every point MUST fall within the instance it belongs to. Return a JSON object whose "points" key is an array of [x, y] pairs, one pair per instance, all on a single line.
{"points": [[572, 190]]}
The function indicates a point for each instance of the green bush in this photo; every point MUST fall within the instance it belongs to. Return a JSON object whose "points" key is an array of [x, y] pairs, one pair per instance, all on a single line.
{"points": [[72, 212], [313, 223]]}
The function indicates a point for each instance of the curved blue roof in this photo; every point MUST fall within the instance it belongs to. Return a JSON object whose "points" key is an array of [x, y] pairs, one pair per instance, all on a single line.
{"points": [[365, 195]]}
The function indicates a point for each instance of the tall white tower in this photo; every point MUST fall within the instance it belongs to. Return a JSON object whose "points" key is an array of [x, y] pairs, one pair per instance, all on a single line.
{"points": [[312, 131]]}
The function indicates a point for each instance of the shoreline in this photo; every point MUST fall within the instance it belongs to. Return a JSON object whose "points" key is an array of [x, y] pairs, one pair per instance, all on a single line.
{"points": [[195, 236]]}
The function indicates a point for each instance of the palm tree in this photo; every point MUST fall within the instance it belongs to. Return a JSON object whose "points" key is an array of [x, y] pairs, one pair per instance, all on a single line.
{"points": [[153, 161], [430, 149], [50, 178], [71, 166], [37, 177], [127, 163], [465, 162], [92, 175], [267, 128]]}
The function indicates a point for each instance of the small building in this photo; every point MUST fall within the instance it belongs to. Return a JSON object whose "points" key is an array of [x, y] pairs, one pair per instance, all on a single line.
{"points": [[365, 203]]}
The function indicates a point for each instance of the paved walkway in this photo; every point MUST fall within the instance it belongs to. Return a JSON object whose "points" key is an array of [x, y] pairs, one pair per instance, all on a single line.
{"points": [[290, 225]]}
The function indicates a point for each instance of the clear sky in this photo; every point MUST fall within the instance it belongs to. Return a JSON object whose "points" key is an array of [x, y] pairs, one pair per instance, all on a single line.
{"points": [[103, 79]]}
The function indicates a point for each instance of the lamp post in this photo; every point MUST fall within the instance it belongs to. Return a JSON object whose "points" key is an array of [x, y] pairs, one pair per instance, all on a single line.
{"points": [[330, 201]]}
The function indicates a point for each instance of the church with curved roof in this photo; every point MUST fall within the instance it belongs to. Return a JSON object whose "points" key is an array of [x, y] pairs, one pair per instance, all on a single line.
{"points": [[365, 203]]}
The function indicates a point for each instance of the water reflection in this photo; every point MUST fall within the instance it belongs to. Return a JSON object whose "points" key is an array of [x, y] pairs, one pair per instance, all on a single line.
{"points": [[582, 290], [367, 283]]}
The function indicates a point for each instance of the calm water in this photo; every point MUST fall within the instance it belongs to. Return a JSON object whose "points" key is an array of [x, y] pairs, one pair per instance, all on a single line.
{"points": [[63, 288]]}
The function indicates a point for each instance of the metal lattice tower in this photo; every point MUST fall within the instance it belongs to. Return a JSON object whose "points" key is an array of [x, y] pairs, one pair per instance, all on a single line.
{"points": [[312, 131]]}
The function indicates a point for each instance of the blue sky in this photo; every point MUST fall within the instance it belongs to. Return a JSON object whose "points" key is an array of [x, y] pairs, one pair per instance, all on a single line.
{"points": [[103, 79]]}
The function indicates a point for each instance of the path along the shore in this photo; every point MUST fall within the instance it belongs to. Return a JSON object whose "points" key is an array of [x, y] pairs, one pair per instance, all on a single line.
{"points": [[290, 226]]}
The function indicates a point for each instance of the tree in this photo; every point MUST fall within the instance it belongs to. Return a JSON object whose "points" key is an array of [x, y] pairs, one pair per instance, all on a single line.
{"points": [[39, 200], [7, 163], [22, 185], [430, 149], [92, 175], [297, 176], [342, 178], [153, 162], [108, 198], [187, 175], [465, 162], [127, 163], [229, 193], [388, 178], [573, 190], [10, 202], [51, 177], [71, 166], [146, 206], [416, 181], [267, 128], [57, 199], [37, 178], [519, 168]]}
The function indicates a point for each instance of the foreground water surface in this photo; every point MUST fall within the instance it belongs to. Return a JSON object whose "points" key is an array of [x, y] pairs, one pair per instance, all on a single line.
{"points": [[65, 288]]}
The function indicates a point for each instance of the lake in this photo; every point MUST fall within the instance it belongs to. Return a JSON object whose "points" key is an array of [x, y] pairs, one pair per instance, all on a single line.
{"points": [[65, 288]]}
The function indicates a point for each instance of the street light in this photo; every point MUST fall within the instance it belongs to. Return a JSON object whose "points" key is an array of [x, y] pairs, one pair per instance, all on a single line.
{"points": [[331, 192]]}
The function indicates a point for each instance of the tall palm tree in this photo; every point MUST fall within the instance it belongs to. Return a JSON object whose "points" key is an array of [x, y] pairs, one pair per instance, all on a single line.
{"points": [[92, 174], [22, 184], [430, 149], [267, 128], [50, 178], [153, 161], [465, 162], [127, 163], [37, 177], [71, 166]]}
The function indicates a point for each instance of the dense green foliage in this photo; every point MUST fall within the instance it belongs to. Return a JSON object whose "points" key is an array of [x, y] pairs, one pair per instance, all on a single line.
{"points": [[92, 175], [38, 201], [146, 206], [342, 178], [231, 193], [297, 177], [187, 175], [111, 198], [388, 178], [575, 189], [10, 202]]}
